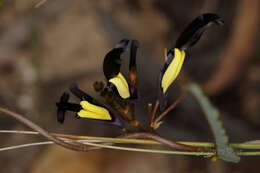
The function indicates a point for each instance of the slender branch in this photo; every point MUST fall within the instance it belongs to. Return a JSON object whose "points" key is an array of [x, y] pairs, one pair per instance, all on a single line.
{"points": [[72, 146], [196, 148], [170, 108], [26, 145], [198, 153], [79, 147], [165, 141], [20, 132], [150, 107], [98, 146], [244, 145], [43, 143], [154, 110]]}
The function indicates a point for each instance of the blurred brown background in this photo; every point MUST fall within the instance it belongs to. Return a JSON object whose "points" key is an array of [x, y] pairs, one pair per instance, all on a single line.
{"points": [[44, 49]]}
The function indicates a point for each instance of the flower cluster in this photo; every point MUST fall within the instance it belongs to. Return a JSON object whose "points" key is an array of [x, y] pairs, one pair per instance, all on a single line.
{"points": [[115, 110]]}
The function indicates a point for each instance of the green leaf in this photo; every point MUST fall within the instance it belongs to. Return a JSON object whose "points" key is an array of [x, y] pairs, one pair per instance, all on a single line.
{"points": [[224, 151]]}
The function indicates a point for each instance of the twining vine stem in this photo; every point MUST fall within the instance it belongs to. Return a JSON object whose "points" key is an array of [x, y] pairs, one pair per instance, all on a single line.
{"points": [[72, 146], [80, 147], [86, 143]]}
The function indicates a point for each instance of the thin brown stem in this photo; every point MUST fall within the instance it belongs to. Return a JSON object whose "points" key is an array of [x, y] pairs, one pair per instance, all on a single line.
{"points": [[72, 146], [167, 142], [76, 146], [154, 110], [132, 108], [150, 113], [140, 127], [170, 108]]}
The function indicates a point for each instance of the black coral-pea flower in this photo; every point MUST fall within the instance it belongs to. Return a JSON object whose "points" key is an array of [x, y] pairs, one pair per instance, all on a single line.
{"points": [[111, 68], [175, 57], [87, 108], [126, 89]]}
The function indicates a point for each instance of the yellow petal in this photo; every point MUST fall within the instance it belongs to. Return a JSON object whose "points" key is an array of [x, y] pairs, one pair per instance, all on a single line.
{"points": [[173, 69], [182, 60], [121, 85], [94, 112]]}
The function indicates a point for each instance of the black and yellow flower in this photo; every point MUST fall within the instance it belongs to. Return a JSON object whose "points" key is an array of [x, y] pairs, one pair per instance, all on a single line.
{"points": [[87, 108], [126, 88], [111, 67], [175, 57]]}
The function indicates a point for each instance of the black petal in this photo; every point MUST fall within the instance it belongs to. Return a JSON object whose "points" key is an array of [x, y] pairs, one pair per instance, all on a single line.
{"points": [[116, 119], [195, 29], [133, 51], [170, 56], [133, 70], [112, 61], [61, 111], [122, 43], [79, 93], [163, 97], [73, 107], [64, 106]]}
